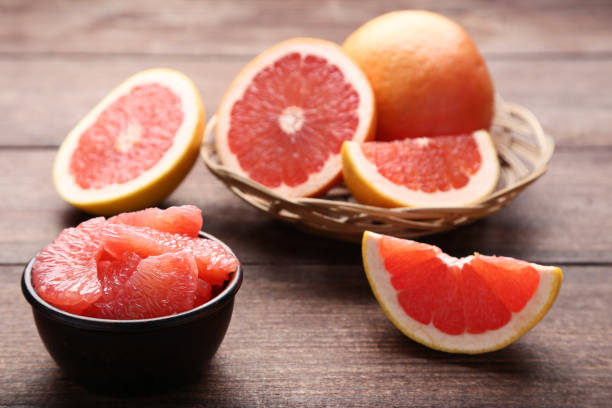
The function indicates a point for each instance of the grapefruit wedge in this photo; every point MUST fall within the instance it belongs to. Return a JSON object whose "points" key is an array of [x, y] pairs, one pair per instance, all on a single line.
{"points": [[134, 147], [284, 118], [441, 171], [471, 305]]}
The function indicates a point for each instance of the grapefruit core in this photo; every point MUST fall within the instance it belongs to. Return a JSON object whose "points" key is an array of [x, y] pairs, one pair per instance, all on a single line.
{"points": [[283, 119], [469, 305], [441, 171], [134, 147]]}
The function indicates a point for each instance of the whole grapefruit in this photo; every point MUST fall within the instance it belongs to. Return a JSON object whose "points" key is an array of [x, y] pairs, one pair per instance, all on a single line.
{"points": [[427, 74]]}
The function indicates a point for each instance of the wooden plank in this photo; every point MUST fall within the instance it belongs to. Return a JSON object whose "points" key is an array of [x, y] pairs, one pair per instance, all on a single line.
{"points": [[559, 219], [243, 27], [43, 98], [314, 335]]}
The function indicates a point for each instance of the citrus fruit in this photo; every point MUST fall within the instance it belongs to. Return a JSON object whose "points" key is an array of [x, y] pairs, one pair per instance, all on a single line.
{"points": [[469, 305], [122, 268], [441, 171], [428, 77], [213, 261], [65, 272], [283, 119], [157, 286], [184, 219], [134, 147]]}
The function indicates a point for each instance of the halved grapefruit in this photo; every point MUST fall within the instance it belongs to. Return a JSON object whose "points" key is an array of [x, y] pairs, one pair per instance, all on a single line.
{"points": [[441, 171], [470, 305], [134, 147], [284, 118]]}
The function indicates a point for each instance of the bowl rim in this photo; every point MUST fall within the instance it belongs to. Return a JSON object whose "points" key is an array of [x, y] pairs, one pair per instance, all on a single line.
{"points": [[91, 323]]}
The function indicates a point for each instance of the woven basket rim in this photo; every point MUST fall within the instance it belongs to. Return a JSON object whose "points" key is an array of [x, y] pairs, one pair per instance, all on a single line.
{"points": [[536, 149]]}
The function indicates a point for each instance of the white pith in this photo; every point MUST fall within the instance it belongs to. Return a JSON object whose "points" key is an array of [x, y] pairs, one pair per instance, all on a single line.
{"points": [[181, 87], [464, 343], [479, 186], [333, 55]]}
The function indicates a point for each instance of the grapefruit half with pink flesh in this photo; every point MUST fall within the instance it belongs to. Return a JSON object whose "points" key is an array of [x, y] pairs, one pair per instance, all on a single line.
{"points": [[285, 116], [441, 171], [65, 273], [469, 305], [213, 261], [134, 147], [184, 219]]}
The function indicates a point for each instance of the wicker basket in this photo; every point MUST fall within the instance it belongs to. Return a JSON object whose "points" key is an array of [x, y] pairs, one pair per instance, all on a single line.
{"points": [[523, 148]]}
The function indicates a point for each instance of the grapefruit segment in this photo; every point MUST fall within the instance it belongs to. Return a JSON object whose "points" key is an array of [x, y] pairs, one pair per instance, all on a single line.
{"points": [[184, 219], [65, 272], [442, 171], [159, 286], [213, 261], [470, 305], [284, 118], [134, 147]]}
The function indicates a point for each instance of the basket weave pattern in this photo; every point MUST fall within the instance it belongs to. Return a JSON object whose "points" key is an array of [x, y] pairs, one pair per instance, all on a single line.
{"points": [[522, 146]]}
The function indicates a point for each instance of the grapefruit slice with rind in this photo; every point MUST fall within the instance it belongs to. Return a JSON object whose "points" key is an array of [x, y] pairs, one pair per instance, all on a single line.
{"points": [[441, 171], [134, 147], [470, 305], [285, 116]]}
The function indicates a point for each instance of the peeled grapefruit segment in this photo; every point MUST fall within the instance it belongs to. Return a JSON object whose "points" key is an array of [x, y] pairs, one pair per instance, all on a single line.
{"points": [[184, 219], [65, 273], [441, 171], [134, 147], [213, 261], [284, 118], [159, 286], [470, 305]]}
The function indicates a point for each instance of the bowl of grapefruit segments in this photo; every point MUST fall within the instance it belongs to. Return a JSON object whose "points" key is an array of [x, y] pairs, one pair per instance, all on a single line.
{"points": [[123, 310], [303, 115]]}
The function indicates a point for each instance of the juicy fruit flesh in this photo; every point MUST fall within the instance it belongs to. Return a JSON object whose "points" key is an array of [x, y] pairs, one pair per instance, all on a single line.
{"points": [[129, 137], [65, 272], [432, 164], [213, 261], [186, 219], [291, 119], [457, 296], [155, 286], [85, 272]]}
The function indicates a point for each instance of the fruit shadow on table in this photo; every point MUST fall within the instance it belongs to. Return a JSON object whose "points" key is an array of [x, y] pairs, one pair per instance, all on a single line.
{"points": [[517, 361]]}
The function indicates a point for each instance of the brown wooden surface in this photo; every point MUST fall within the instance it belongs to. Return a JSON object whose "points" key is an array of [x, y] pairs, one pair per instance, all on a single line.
{"points": [[306, 329]]}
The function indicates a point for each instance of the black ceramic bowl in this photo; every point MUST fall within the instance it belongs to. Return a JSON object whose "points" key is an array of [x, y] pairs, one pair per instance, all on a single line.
{"points": [[125, 356]]}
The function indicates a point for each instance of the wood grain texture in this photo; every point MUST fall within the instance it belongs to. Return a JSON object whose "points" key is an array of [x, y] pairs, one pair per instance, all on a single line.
{"points": [[564, 94], [244, 27], [541, 225], [314, 335]]}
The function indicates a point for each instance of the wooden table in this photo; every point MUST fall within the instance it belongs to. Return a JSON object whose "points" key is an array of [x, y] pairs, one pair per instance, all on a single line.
{"points": [[306, 328]]}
